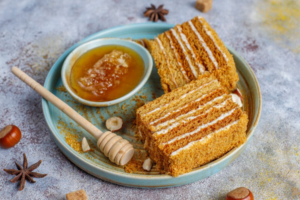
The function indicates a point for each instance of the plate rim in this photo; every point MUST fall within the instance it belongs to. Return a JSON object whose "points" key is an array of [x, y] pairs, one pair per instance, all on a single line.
{"points": [[46, 113]]}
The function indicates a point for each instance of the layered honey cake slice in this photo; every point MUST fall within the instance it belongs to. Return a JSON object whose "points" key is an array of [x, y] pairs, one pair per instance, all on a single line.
{"points": [[188, 50], [191, 126]]}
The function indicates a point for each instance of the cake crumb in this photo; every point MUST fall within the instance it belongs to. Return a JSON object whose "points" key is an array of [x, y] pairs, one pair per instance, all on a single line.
{"points": [[102, 118], [133, 122], [72, 140], [153, 95], [140, 103], [133, 166], [61, 89], [203, 5]]}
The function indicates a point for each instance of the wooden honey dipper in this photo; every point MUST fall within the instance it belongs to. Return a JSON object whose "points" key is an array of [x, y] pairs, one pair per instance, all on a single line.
{"points": [[117, 149]]}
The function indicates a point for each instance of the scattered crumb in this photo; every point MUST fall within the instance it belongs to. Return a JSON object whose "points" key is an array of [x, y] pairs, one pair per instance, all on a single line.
{"points": [[102, 118], [133, 122], [72, 137], [134, 166], [72, 140], [124, 106], [61, 89], [153, 95], [139, 103]]}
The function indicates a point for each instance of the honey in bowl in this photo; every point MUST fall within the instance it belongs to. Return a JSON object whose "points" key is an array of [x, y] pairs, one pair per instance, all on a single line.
{"points": [[106, 73]]}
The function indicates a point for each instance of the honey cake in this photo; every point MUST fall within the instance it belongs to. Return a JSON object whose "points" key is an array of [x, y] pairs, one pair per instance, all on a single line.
{"points": [[191, 126], [188, 50]]}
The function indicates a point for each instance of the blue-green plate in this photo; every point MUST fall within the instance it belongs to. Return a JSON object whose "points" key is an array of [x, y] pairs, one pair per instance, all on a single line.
{"points": [[66, 132]]}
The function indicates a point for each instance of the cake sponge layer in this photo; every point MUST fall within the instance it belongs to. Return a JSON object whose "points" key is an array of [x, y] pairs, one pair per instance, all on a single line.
{"points": [[191, 125]]}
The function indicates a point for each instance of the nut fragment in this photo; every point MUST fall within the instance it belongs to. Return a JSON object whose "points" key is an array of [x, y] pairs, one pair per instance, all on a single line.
{"points": [[85, 145], [240, 193], [114, 123], [147, 165], [203, 5]]}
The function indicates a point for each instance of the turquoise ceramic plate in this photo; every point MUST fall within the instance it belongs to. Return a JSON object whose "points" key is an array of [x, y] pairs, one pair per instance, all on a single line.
{"points": [[67, 134]]}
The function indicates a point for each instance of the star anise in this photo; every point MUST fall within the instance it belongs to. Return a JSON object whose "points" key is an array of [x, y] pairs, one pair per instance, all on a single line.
{"points": [[156, 13], [25, 173]]}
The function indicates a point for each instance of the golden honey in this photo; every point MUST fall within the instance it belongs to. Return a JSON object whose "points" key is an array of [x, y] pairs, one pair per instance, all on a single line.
{"points": [[106, 73]]}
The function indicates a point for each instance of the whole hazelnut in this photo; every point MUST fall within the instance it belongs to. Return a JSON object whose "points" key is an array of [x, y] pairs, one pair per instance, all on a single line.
{"points": [[9, 136], [240, 193]]}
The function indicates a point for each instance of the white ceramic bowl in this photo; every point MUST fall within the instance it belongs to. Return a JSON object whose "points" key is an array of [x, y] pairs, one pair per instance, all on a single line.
{"points": [[80, 50]]}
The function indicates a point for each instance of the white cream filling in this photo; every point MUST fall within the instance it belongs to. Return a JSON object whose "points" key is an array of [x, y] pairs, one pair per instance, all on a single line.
{"points": [[213, 39], [189, 113], [199, 99], [203, 140], [183, 96], [163, 50], [184, 115], [200, 127], [184, 39], [177, 58], [166, 130], [236, 99], [185, 53], [210, 54]]}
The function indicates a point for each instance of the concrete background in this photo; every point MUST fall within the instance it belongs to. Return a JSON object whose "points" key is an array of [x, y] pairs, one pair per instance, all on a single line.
{"points": [[33, 34]]}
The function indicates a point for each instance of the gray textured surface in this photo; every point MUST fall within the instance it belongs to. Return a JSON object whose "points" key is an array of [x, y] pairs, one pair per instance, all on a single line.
{"points": [[33, 34]]}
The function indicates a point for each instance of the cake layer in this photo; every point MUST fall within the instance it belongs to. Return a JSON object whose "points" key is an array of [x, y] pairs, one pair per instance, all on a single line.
{"points": [[187, 124], [189, 108], [188, 119], [208, 148], [171, 101], [189, 50]]}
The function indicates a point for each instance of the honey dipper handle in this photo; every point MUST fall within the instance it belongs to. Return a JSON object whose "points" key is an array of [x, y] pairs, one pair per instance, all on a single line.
{"points": [[117, 149], [89, 127]]}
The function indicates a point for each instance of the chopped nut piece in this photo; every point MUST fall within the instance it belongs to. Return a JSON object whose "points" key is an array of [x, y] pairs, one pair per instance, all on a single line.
{"points": [[147, 165], [203, 5], [77, 195], [114, 123], [85, 145]]}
